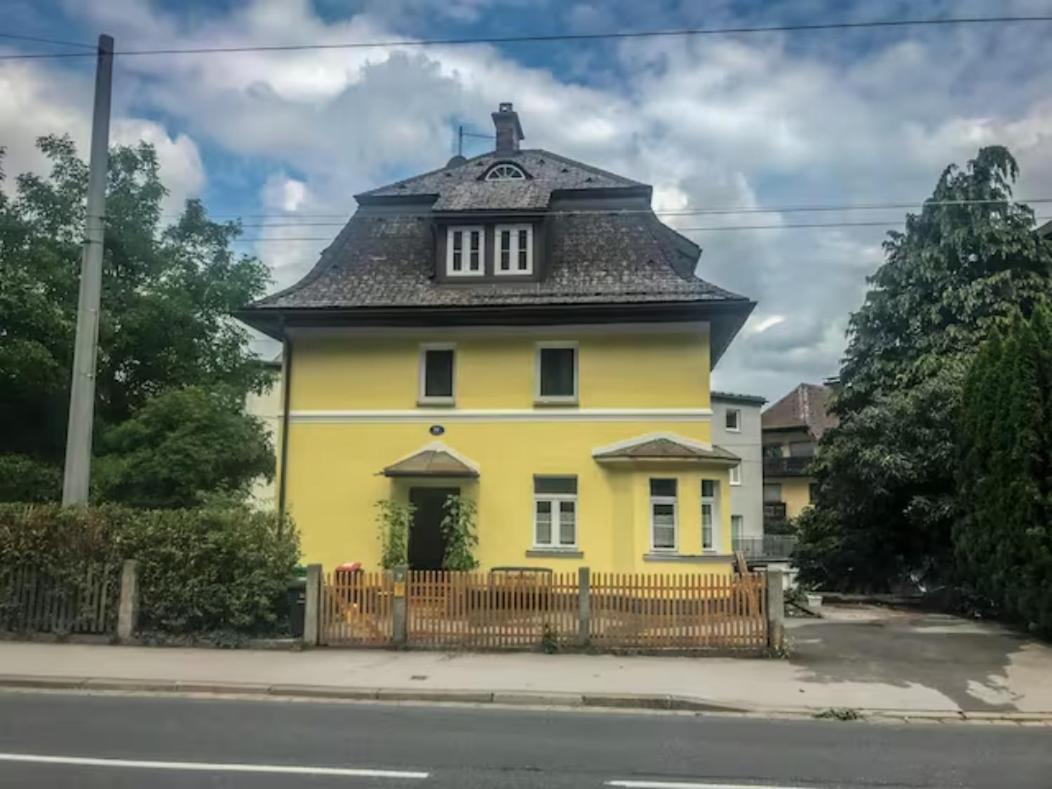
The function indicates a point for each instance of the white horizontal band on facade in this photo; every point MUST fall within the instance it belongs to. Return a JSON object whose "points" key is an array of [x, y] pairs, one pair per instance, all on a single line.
{"points": [[509, 415]]}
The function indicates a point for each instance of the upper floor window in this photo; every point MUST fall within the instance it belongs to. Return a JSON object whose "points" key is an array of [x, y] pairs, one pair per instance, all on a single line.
{"points": [[464, 251], [801, 449], [557, 372], [505, 172], [513, 249], [733, 420], [436, 374], [736, 474]]}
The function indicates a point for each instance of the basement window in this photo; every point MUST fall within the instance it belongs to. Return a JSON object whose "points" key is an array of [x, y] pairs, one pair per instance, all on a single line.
{"points": [[513, 249], [464, 252]]}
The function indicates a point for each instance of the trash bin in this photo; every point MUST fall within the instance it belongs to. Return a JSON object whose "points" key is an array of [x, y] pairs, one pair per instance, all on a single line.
{"points": [[296, 599]]}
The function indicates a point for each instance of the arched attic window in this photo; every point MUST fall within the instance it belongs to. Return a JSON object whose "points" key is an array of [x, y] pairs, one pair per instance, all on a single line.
{"points": [[505, 172]]}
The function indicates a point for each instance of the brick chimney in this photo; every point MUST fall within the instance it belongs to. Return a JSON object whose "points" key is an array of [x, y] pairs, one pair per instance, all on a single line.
{"points": [[509, 130]]}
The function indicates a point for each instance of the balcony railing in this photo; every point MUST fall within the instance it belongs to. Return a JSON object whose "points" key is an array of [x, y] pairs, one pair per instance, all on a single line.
{"points": [[774, 510], [770, 546], [786, 467]]}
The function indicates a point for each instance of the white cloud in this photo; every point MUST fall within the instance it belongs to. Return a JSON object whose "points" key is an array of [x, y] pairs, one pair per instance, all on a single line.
{"points": [[36, 101], [181, 169], [710, 122]]}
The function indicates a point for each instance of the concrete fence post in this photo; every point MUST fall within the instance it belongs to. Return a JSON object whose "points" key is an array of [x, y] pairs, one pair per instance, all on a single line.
{"points": [[584, 606], [775, 608], [128, 607], [399, 619], [312, 610]]}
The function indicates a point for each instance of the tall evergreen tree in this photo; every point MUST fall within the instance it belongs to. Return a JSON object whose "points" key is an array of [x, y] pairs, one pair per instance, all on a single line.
{"points": [[1003, 538], [887, 483]]}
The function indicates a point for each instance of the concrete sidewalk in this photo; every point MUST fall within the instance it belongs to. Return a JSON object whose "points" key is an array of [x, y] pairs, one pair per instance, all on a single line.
{"points": [[835, 667]]}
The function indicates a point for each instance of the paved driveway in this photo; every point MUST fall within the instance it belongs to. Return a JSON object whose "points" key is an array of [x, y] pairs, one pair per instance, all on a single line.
{"points": [[977, 665]]}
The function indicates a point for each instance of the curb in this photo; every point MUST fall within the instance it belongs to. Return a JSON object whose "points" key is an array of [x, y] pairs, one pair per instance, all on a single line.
{"points": [[505, 698]]}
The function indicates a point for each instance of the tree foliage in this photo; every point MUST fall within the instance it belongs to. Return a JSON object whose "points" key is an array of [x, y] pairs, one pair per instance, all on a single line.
{"points": [[180, 448], [167, 294], [886, 494], [1003, 538]]}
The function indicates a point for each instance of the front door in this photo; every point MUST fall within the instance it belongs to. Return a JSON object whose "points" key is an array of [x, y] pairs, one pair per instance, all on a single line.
{"points": [[427, 544]]}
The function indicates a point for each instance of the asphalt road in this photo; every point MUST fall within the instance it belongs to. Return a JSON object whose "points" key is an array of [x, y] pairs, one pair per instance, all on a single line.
{"points": [[55, 740]]}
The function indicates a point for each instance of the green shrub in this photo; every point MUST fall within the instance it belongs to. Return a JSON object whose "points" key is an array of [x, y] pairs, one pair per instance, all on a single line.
{"points": [[201, 570], [393, 519], [24, 479]]}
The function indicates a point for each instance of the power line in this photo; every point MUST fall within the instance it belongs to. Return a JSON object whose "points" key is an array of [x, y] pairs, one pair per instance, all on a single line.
{"points": [[557, 37], [785, 209], [709, 229], [37, 39]]}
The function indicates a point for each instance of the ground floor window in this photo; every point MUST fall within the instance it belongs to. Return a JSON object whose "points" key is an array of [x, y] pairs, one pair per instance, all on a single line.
{"points": [[554, 512], [737, 525], [710, 520], [663, 514]]}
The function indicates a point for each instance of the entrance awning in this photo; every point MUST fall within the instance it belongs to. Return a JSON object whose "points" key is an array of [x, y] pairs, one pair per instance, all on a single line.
{"points": [[433, 460], [664, 446]]}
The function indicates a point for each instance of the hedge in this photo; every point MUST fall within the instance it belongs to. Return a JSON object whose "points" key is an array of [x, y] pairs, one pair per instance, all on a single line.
{"points": [[201, 571]]}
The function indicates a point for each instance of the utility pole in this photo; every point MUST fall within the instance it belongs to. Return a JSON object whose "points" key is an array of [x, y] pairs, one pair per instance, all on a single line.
{"points": [[82, 392]]}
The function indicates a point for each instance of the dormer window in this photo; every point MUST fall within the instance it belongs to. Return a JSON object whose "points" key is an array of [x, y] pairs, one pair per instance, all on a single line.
{"points": [[513, 249], [505, 172], [464, 251]]}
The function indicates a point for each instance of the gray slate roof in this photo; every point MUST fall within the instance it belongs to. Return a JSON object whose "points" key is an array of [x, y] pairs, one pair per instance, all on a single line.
{"points": [[609, 257], [557, 172], [494, 196]]}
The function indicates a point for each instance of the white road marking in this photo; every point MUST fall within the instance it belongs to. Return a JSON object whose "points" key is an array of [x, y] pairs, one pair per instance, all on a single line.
{"points": [[218, 767], [689, 785]]}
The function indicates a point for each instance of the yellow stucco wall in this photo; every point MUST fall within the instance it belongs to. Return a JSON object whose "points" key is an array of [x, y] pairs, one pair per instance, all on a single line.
{"points": [[336, 452], [795, 493]]}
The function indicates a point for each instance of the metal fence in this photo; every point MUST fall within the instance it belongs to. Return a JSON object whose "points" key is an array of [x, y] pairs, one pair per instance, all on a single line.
{"points": [[769, 546], [82, 601]]}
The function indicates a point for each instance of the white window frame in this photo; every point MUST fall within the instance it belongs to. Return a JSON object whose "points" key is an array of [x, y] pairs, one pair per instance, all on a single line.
{"points": [[422, 397], [674, 501], [513, 250], [741, 524], [465, 250], [713, 502], [734, 475], [737, 420], [491, 175], [556, 500], [557, 399]]}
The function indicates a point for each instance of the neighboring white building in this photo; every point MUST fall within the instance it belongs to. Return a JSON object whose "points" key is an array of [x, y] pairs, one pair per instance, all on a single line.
{"points": [[267, 407], [736, 427]]}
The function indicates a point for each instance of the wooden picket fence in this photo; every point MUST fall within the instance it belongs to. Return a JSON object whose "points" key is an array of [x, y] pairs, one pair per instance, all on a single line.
{"points": [[678, 612], [34, 601], [491, 610], [357, 609]]}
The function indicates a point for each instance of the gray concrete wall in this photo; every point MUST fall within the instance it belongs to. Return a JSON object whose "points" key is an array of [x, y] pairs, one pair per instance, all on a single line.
{"points": [[747, 498]]}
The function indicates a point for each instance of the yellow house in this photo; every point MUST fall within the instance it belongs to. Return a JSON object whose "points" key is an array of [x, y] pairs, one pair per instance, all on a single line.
{"points": [[519, 329], [791, 429]]}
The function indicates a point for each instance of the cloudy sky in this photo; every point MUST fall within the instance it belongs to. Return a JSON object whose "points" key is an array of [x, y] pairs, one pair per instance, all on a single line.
{"points": [[735, 121]]}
